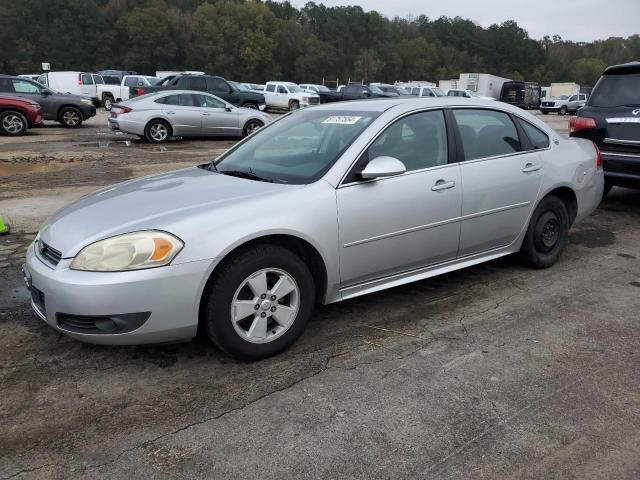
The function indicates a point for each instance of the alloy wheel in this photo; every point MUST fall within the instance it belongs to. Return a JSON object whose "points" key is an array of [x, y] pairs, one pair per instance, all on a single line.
{"points": [[12, 124], [70, 118], [253, 127], [159, 132], [265, 305]]}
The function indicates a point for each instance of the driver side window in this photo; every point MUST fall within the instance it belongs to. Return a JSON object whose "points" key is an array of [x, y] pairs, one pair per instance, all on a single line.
{"points": [[281, 89]]}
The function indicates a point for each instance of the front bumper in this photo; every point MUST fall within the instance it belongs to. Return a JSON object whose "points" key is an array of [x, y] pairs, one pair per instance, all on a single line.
{"points": [[170, 295], [549, 109], [88, 111]]}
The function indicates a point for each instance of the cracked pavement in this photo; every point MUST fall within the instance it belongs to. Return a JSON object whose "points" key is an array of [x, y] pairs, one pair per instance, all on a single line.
{"points": [[497, 371]]}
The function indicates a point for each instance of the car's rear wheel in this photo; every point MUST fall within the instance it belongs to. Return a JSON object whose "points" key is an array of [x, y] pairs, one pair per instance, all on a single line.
{"points": [[258, 302], [13, 123], [157, 131], [563, 110], [107, 101], [251, 127], [294, 105], [607, 188], [70, 117], [252, 105], [547, 234]]}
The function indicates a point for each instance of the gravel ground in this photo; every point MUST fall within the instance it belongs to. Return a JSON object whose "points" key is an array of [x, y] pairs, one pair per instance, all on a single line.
{"points": [[492, 372]]}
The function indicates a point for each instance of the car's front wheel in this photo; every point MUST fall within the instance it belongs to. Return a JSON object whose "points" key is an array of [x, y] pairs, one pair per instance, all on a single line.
{"points": [[258, 302], [294, 105], [157, 131], [70, 117], [563, 110], [13, 123], [547, 234]]}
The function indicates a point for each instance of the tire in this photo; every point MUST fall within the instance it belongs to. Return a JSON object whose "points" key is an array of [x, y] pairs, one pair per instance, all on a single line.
{"points": [[547, 234], [70, 117], [251, 105], [563, 110], [607, 188], [251, 126], [13, 123], [545, 113], [240, 332], [294, 105], [107, 101], [157, 131]]}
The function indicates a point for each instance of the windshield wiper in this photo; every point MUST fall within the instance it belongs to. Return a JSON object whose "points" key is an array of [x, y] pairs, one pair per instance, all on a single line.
{"points": [[244, 174]]}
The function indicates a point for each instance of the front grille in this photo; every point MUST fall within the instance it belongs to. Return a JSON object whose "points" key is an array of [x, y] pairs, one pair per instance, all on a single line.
{"points": [[51, 255], [314, 101], [548, 104]]}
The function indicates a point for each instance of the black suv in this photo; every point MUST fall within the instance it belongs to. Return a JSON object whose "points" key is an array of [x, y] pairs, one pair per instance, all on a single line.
{"points": [[69, 110], [611, 119], [218, 86]]}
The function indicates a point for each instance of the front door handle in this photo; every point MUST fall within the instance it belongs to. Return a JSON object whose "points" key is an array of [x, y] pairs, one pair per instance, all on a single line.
{"points": [[171, 113], [442, 185], [206, 114], [530, 167]]}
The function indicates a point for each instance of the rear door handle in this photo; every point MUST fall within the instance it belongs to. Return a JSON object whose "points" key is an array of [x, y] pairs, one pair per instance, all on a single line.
{"points": [[530, 167], [206, 114], [442, 185]]}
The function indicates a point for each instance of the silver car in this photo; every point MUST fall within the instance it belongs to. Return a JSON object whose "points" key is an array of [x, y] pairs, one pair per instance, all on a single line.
{"points": [[322, 205], [183, 113]]}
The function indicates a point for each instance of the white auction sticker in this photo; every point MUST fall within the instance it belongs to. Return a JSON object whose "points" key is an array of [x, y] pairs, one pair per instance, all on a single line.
{"points": [[342, 120]]}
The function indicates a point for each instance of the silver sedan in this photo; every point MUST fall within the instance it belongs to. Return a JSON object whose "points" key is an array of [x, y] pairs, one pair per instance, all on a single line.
{"points": [[323, 205], [183, 113]]}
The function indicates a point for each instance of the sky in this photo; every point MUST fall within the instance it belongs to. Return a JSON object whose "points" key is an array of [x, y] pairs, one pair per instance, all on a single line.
{"points": [[577, 20]]}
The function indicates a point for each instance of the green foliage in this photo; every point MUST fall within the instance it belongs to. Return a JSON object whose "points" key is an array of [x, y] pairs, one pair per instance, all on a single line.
{"points": [[255, 40]]}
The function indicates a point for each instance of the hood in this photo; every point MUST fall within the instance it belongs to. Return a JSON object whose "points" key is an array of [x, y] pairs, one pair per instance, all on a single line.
{"points": [[155, 202]]}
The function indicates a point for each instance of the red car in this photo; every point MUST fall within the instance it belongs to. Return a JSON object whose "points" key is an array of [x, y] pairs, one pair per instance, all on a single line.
{"points": [[18, 114]]}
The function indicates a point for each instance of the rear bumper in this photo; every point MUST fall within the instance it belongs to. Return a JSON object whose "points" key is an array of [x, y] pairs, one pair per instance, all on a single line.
{"points": [[126, 126], [622, 169]]}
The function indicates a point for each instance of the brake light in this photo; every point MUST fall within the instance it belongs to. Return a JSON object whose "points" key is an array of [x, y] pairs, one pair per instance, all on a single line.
{"points": [[118, 109], [581, 123], [79, 79], [598, 156]]}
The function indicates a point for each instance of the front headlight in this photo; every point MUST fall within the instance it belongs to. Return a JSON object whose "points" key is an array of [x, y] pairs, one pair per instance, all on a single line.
{"points": [[87, 101], [131, 251], [305, 99]]}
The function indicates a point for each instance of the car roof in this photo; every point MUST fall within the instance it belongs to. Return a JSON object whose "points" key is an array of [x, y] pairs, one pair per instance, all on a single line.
{"points": [[411, 103], [631, 67]]}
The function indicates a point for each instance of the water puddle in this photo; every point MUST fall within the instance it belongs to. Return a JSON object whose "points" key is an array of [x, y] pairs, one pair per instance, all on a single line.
{"points": [[9, 169]]}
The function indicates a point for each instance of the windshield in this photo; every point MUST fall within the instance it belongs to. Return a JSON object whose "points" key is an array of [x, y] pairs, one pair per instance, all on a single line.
{"points": [[438, 92], [473, 94], [151, 80], [562, 97], [616, 91], [239, 86], [322, 88], [294, 89], [375, 89], [299, 148]]}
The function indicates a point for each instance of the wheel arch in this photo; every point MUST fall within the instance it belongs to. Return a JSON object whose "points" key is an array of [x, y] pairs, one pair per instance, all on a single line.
{"points": [[296, 244], [568, 197], [156, 117], [69, 105]]}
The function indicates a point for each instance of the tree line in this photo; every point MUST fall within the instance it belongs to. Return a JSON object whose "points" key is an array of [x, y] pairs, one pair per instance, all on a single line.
{"points": [[256, 41]]}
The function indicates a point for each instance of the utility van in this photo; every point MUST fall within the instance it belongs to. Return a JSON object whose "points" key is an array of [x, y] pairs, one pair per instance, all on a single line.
{"points": [[76, 83]]}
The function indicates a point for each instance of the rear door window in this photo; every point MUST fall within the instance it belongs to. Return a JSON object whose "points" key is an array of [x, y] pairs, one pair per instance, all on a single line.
{"points": [[538, 138], [131, 81], [195, 83], [6, 85], [87, 79], [217, 85], [486, 133], [208, 101], [181, 100], [619, 90], [271, 88], [98, 80]]}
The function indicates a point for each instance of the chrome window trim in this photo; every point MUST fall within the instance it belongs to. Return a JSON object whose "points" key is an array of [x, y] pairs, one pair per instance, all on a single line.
{"points": [[616, 154], [451, 107], [621, 142], [623, 120], [436, 224]]}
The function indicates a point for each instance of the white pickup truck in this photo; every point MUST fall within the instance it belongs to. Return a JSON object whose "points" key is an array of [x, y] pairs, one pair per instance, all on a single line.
{"points": [[288, 96], [110, 94]]}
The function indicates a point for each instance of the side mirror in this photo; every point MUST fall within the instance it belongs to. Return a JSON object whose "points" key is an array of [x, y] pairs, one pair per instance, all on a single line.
{"points": [[381, 167], [228, 108], [46, 91]]}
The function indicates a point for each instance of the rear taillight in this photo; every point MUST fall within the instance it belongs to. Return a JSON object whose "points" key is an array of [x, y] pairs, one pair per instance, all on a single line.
{"points": [[120, 109], [581, 123], [79, 79], [598, 156]]}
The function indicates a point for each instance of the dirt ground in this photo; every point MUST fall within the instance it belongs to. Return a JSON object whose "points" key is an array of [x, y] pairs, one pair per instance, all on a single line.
{"points": [[492, 372]]}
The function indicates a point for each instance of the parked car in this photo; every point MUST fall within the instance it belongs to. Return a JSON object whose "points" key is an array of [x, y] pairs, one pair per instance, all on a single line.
{"points": [[114, 77], [76, 83], [357, 91], [17, 115], [109, 94], [217, 86], [256, 87], [564, 104], [611, 119], [288, 96], [322, 205], [461, 92], [521, 94], [326, 95], [426, 91], [69, 110], [181, 113], [391, 90]]}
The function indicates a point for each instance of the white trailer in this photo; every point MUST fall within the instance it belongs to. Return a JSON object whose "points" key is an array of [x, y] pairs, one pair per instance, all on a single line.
{"points": [[564, 88], [448, 84], [484, 84]]}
